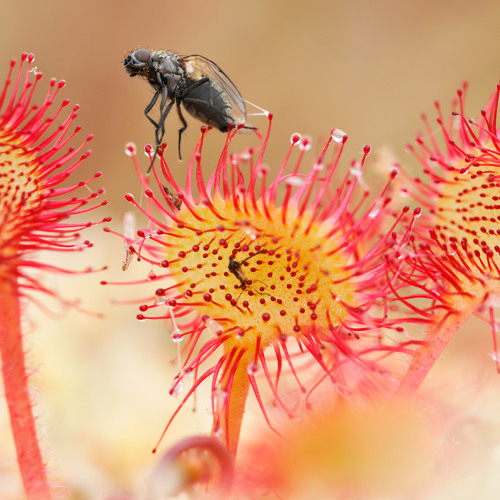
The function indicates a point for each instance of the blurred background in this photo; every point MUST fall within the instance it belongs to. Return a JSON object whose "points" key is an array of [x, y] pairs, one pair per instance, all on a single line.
{"points": [[368, 68]]}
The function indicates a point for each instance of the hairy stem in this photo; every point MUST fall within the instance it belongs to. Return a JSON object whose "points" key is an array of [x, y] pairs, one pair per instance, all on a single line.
{"points": [[15, 381], [444, 327]]}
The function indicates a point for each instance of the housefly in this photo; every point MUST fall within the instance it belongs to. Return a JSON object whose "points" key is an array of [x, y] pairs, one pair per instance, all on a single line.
{"points": [[197, 83]]}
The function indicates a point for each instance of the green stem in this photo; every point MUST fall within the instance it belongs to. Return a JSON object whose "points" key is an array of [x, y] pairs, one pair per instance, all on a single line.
{"points": [[15, 380]]}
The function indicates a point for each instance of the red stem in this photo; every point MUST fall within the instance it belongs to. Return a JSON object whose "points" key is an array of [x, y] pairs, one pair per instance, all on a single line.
{"points": [[15, 380], [444, 327]]}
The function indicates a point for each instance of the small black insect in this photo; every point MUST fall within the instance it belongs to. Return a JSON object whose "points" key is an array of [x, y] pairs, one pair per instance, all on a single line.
{"points": [[235, 268], [197, 83]]}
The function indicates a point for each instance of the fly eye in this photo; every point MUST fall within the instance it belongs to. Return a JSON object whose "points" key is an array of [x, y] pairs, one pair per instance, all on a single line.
{"points": [[141, 55]]}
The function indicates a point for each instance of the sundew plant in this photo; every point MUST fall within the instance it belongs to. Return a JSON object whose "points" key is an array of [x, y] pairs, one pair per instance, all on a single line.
{"points": [[309, 302]]}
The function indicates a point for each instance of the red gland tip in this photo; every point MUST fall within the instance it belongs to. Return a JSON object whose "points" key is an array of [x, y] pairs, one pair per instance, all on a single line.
{"points": [[130, 149], [305, 143]]}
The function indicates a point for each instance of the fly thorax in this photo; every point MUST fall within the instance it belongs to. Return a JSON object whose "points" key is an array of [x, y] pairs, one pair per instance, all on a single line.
{"points": [[171, 73]]}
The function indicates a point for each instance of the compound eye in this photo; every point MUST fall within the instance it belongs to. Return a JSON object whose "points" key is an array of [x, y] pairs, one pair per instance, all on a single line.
{"points": [[142, 55]]}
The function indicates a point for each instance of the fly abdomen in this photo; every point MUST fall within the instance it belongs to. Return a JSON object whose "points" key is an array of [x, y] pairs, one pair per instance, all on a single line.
{"points": [[209, 104]]}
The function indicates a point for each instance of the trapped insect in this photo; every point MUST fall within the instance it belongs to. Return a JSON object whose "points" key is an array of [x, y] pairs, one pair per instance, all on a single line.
{"points": [[197, 83], [234, 268]]}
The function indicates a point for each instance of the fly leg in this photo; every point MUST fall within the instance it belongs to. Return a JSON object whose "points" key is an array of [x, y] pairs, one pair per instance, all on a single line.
{"points": [[149, 107], [184, 126], [164, 111], [160, 126]]}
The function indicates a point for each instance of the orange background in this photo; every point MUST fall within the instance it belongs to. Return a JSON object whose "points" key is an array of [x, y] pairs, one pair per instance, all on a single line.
{"points": [[368, 68]]}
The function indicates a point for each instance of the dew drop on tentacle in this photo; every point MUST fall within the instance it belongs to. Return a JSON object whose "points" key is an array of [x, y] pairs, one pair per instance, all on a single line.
{"points": [[338, 135]]}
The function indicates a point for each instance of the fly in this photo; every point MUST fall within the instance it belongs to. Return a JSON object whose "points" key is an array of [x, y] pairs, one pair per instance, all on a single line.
{"points": [[234, 268], [196, 82]]}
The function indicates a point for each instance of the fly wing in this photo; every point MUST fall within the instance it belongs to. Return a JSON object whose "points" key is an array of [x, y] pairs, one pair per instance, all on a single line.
{"points": [[198, 67]]}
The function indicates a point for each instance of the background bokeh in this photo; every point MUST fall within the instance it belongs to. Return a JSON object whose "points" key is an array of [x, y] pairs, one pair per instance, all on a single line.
{"points": [[368, 68]]}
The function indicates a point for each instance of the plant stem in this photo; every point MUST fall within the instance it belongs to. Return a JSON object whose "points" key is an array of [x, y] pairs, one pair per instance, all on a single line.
{"points": [[15, 380], [444, 327], [237, 385]]}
